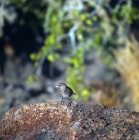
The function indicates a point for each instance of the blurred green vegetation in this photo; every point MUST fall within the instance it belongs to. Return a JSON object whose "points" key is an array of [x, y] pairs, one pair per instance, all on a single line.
{"points": [[74, 27]]}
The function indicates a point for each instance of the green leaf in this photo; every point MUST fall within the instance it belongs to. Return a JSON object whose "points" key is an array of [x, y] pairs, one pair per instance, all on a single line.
{"points": [[80, 37], [85, 92], [88, 22], [95, 18], [33, 56], [83, 16], [51, 58]]}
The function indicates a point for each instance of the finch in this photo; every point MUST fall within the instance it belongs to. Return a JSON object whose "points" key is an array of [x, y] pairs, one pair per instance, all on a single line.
{"points": [[65, 90]]}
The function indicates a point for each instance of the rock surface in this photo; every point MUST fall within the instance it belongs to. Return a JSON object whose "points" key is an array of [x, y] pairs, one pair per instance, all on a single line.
{"points": [[68, 121]]}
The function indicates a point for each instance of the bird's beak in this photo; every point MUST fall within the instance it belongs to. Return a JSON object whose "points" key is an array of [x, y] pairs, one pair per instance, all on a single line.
{"points": [[57, 86]]}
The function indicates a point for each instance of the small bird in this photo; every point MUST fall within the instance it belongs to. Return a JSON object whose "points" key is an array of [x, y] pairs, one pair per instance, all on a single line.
{"points": [[65, 90]]}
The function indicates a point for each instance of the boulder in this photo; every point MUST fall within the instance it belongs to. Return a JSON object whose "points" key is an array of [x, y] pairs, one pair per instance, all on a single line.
{"points": [[68, 120]]}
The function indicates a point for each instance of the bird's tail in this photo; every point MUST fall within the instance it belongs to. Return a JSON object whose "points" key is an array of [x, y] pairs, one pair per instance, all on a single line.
{"points": [[74, 93]]}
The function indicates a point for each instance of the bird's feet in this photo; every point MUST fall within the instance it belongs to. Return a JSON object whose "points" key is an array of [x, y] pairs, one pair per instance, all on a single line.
{"points": [[66, 99]]}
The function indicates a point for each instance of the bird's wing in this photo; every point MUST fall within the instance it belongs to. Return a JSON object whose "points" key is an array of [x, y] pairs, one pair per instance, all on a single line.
{"points": [[68, 90]]}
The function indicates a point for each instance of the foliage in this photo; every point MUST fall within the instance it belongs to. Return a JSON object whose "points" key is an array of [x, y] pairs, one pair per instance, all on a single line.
{"points": [[31, 13], [128, 66], [31, 78], [74, 27]]}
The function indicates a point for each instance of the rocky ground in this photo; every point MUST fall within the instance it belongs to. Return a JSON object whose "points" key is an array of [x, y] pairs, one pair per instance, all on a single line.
{"points": [[69, 121]]}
